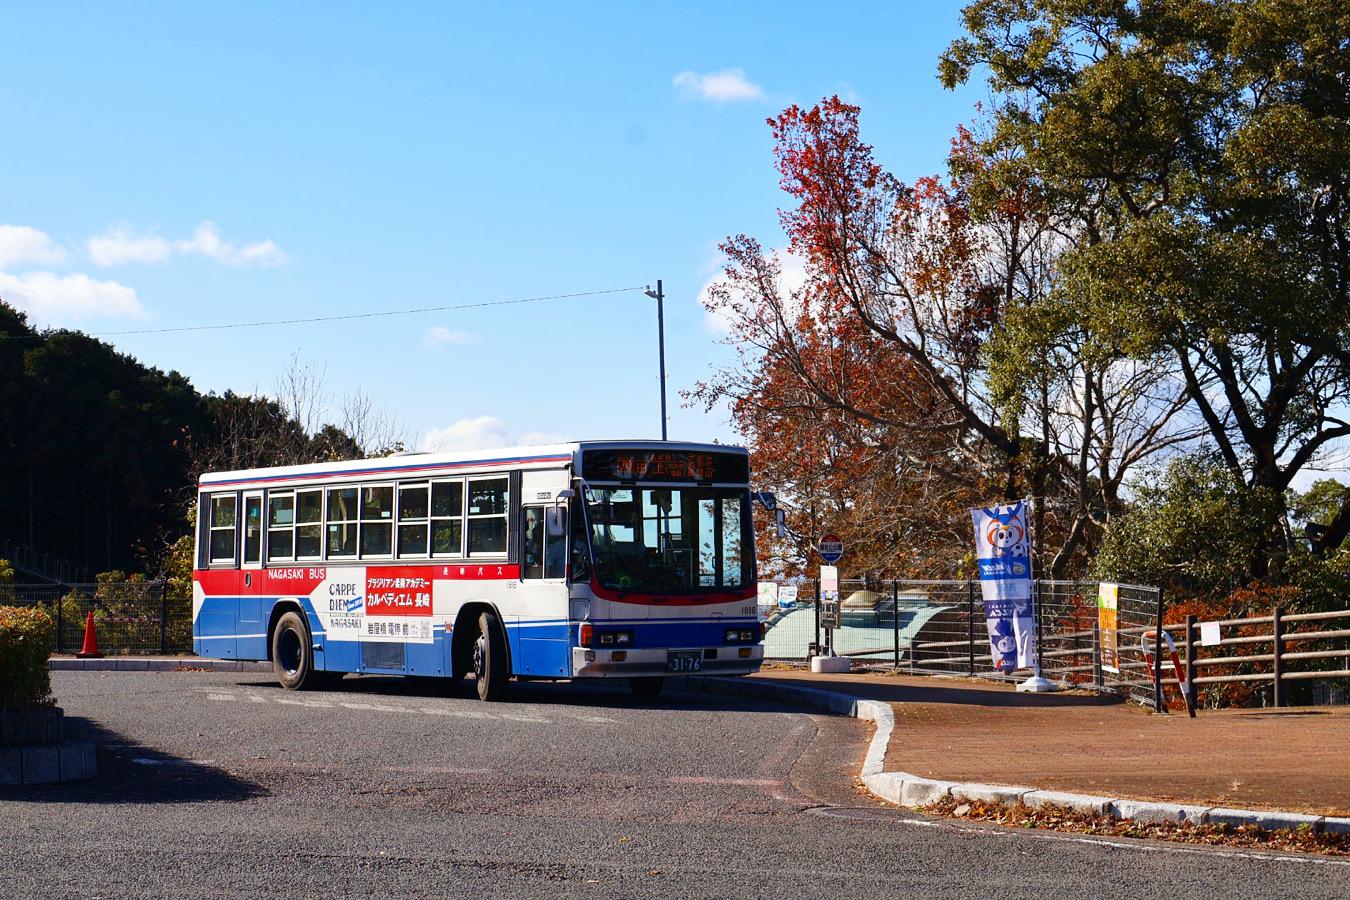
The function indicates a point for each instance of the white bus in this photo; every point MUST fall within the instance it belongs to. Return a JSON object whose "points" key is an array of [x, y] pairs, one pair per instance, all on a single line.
{"points": [[601, 559]]}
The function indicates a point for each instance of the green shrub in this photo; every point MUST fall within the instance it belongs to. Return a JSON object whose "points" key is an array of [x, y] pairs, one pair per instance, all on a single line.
{"points": [[25, 644], [73, 606], [6, 581]]}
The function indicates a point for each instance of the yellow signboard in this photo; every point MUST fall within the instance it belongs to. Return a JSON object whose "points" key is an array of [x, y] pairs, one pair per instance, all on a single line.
{"points": [[1107, 606]]}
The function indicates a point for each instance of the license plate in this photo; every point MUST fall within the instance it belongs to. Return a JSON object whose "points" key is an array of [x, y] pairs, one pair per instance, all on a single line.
{"points": [[684, 660]]}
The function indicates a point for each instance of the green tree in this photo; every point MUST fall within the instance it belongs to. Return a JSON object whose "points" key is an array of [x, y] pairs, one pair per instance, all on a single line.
{"points": [[1192, 526], [1196, 157]]}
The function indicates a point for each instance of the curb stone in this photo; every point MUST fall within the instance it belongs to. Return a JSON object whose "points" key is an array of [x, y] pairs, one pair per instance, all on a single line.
{"points": [[989, 793], [141, 664], [904, 789], [1266, 819], [1085, 803], [1144, 811]]}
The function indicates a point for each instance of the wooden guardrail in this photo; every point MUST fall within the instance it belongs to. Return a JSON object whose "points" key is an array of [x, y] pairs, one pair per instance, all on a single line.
{"points": [[1280, 659]]}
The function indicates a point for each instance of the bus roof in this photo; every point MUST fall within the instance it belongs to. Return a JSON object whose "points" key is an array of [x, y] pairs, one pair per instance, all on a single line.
{"points": [[406, 464]]}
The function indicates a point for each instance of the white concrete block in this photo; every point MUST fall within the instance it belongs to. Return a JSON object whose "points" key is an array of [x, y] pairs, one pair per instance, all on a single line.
{"points": [[1267, 819], [1334, 825], [888, 786], [1147, 812], [923, 791], [1007, 795], [1081, 802]]}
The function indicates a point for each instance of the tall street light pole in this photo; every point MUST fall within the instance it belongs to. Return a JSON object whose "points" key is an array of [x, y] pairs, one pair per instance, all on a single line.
{"points": [[659, 296]]}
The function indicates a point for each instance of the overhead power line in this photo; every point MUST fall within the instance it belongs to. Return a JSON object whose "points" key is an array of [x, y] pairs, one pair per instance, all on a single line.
{"points": [[365, 315], [369, 315]]}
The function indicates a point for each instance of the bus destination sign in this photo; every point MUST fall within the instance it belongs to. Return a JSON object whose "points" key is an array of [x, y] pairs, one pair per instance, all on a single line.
{"points": [[664, 465]]}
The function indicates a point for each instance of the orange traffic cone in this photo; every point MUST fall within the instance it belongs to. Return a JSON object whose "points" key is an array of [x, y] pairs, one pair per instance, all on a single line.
{"points": [[90, 648]]}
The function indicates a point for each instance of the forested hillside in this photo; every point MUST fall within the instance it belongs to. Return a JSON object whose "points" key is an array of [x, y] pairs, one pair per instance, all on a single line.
{"points": [[99, 453]]}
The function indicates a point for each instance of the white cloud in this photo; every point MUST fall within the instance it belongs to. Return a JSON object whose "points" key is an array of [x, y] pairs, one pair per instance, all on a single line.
{"points": [[120, 245], [439, 334], [725, 86], [468, 434], [482, 433], [206, 242], [52, 299], [21, 244], [791, 277]]}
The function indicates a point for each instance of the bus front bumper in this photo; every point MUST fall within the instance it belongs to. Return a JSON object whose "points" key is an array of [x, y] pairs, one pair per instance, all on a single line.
{"points": [[657, 661]]}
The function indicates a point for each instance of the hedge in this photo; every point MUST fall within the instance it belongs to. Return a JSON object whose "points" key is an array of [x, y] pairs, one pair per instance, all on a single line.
{"points": [[25, 643]]}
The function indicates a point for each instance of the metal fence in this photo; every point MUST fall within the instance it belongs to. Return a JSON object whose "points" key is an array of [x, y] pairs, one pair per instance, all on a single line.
{"points": [[938, 628], [131, 617], [42, 565]]}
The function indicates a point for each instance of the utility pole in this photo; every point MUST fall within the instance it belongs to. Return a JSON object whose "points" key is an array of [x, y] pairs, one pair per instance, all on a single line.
{"points": [[659, 296]]}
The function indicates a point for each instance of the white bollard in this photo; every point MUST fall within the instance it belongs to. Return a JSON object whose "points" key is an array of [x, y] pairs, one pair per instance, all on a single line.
{"points": [[830, 664]]}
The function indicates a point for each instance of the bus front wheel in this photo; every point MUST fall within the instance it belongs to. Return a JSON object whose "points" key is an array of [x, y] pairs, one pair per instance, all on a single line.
{"points": [[490, 664], [292, 655]]}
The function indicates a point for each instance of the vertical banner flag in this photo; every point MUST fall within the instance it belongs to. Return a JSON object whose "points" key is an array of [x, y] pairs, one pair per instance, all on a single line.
{"points": [[1003, 552], [1108, 604]]}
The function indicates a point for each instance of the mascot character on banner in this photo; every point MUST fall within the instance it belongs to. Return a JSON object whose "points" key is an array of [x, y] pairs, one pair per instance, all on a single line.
{"points": [[1003, 551]]}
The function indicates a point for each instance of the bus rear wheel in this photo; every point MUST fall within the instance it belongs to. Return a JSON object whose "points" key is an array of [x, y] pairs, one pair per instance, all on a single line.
{"points": [[292, 655], [648, 688], [490, 664]]}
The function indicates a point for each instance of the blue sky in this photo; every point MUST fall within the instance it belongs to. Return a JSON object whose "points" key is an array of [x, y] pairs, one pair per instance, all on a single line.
{"points": [[178, 165]]}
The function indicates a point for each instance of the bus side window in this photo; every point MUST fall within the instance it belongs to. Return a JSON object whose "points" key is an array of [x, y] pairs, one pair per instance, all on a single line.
{"points": [[555, 542], [532, 540], [223, 530], [581, 560]]}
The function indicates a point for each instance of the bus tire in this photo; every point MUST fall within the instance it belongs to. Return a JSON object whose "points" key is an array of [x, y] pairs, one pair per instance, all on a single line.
{"points": [[490, 662], [647, 688], [292, 655]]}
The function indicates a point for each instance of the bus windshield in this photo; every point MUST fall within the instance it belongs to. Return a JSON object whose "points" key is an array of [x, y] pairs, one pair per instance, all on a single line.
{"points": [[686, 540]]}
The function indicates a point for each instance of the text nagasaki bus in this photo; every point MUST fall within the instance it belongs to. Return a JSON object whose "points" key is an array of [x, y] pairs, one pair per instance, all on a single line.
{"points": [[585, 560]]}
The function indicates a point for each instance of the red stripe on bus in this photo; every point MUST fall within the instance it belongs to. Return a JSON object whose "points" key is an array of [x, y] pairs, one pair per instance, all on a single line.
{"points": [[298, 581]]}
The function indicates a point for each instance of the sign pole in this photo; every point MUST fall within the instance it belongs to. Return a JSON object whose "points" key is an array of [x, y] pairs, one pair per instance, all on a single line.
{"points": [[831, 549], [1036, 684]]}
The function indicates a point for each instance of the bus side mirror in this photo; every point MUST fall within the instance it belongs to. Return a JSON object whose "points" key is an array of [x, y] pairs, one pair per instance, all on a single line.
{"points": [[766, 499], [780, 522]]}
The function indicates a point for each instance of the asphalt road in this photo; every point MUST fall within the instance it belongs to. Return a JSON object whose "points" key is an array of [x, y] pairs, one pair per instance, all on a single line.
{"points": [[218, 784]]}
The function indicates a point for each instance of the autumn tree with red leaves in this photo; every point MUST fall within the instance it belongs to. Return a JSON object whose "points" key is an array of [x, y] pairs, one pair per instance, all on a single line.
{"points": [[864, 393]]}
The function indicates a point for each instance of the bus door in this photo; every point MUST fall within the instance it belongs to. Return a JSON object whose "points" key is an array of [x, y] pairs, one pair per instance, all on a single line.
{"points": [[248, 624], [542, 614]]}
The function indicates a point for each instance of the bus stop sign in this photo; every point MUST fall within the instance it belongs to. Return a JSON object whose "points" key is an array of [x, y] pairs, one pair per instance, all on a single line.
{"points": [[831, 547]]}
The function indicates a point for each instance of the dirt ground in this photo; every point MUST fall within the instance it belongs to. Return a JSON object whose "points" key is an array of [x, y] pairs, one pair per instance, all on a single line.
{"points": [[963, 730]]}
